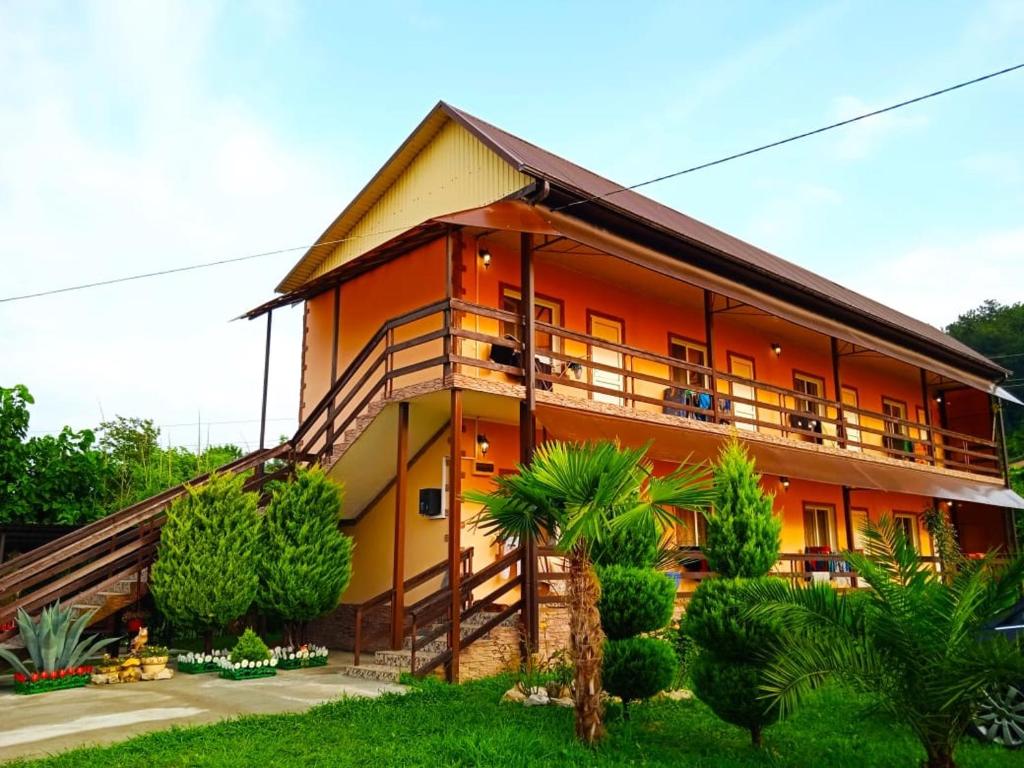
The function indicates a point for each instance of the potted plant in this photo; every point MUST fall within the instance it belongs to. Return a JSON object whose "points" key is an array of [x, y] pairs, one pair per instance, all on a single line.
{"points": [[308, 655], [154, 659], [250, 658], [197, 663], [58, 652]]}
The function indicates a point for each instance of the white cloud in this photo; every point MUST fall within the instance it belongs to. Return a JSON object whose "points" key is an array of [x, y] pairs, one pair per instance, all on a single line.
{"points": [[857, 141], [144, 170], [936, 282]]}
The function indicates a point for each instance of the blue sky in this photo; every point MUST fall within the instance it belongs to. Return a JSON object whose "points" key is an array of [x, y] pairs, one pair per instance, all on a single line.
{"points": [[140, 136]]}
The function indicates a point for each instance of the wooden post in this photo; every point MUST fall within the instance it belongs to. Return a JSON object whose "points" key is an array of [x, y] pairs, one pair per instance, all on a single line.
{"points": [[1000, 437], [266, 383], [455, 537], [927, 415], [528, 429], [709, 340], [838, 387], [848, 517], [334, 364], [401, 483]]}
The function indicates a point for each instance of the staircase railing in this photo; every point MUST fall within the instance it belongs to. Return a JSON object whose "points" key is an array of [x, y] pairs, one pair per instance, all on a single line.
{"points": [[361, 635], [117, 547]]}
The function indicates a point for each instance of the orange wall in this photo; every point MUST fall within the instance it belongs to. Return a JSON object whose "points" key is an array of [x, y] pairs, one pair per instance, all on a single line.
{"points": [[403, 284]]}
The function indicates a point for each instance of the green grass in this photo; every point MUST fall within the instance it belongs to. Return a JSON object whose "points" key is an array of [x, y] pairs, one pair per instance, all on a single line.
{"points": [[440, 725]]}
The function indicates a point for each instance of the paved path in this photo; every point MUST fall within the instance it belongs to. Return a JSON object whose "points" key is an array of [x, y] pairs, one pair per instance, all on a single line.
{"points": [[57, 721]]}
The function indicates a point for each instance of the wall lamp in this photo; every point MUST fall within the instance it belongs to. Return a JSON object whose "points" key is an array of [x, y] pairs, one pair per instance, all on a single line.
{"points": [[485, 257], [785, 482], [483, 444], [776, 348]]}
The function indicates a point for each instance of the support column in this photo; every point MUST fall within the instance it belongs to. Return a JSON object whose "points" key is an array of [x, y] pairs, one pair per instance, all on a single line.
{"points": [[528, 429], [455, 537], [709, 341], [266, 384], [334, 363], [401, 484], [837, 385], [848, 520], [926, 402]]}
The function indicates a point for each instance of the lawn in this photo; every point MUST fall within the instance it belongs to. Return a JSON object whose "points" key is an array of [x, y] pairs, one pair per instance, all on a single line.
{"points": [[437, 725]]}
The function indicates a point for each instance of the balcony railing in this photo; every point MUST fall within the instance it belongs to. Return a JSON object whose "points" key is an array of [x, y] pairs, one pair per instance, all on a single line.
{"points": [[453, 336]]}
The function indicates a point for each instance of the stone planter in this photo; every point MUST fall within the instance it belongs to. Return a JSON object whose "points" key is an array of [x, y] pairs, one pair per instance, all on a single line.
{"points": [[153, 665]]}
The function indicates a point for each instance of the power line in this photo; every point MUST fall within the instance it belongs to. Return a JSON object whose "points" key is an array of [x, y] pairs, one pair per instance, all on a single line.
{"points": [[648, 182], [189, 268], [797, 137]]}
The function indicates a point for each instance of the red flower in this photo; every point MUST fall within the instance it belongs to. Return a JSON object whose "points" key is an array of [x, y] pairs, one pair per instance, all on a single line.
{"points": [[19, 678], [35, 677]]}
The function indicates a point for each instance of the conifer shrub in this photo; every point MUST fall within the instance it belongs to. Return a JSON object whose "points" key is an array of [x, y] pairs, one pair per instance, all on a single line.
{"points": [[637, 668], [634, 600], [305, 561], [249, 648], [742, 544], [205, 572], [635, 546], [743, 534]]}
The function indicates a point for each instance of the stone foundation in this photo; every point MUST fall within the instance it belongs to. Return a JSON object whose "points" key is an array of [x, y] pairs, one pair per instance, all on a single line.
{"points": [[336, 630], [498, 651]]}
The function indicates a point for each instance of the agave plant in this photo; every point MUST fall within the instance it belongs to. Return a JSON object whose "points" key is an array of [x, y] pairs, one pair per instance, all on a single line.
{"points": [[54, 640]]}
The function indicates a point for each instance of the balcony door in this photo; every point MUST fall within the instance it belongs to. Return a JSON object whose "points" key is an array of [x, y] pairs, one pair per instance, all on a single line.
{"points": [[896, 432], [745, 413], [611, 330], [851, 419]]}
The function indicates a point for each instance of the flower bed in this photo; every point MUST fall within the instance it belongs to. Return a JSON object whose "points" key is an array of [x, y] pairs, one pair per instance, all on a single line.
{"points": [[42, 682], [305, 656], [200, 663], [246, 670]]}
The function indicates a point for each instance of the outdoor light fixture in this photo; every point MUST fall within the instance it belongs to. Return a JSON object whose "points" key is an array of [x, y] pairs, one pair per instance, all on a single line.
{"points": [[938, 398], [776, 348], [483, 444], [785, 482], [485, 257]]}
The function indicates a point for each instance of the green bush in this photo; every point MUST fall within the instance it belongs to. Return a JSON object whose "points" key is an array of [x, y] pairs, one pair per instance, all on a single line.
{"points": [[743, 533], [634, 600], [717, 619], [633, 546], [249, 648], [685, 649], [734, 648], [732, 689], [305, 561], [637, 668], [205, 572]]}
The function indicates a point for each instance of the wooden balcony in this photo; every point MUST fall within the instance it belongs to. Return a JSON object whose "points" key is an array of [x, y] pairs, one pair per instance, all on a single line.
{"points": [[454, 340]]}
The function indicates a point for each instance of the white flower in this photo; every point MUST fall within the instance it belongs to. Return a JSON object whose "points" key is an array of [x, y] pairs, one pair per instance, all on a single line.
{"points": [[273, 662], [209, 657]]}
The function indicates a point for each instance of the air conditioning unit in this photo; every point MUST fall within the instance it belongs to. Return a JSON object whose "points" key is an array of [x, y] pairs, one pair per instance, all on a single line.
{"points": [[434, 501]]}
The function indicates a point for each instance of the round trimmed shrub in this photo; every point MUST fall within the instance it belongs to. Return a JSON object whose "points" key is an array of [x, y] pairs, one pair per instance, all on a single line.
{"points": [[637, 668], [717, 620], [249, 648], [732, 689], [635, 547], [634, 600]]}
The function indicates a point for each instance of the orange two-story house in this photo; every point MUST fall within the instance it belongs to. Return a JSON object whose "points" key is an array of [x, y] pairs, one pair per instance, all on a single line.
{"points": [[481, 295]]}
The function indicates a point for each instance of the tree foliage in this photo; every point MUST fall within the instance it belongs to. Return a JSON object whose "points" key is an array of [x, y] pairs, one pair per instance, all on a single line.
{"points": [[637, 668], [305, 560], [743, 534], [919, 639], [205, 573], [577, 494], [997, 331], [634, 600]]}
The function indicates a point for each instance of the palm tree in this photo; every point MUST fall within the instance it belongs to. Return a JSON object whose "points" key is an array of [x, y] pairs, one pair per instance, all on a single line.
{"points": [[575, 494], [918, 639]]}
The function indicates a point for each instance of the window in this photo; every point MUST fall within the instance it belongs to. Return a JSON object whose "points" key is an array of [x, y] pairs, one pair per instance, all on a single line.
{"points": [[545, 311], [908, 522], [690, 352], [858, 517], [808, 385], [692, 529], [820, 527], [896, 433]]}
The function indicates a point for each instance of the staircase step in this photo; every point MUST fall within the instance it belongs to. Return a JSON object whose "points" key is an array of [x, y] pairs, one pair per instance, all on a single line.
{"points": [[372, 672], [431, 648]]}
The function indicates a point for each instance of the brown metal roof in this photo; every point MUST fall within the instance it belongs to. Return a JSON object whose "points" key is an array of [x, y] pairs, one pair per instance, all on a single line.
{"points": [[534, 161]]}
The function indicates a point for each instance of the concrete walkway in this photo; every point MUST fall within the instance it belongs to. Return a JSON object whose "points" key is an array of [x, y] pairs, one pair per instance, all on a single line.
{"points": [[54, 722]]}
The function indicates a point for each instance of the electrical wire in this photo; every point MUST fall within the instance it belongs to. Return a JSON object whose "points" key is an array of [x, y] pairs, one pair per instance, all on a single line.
{"points": [[797, 137], [648, 182]]}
